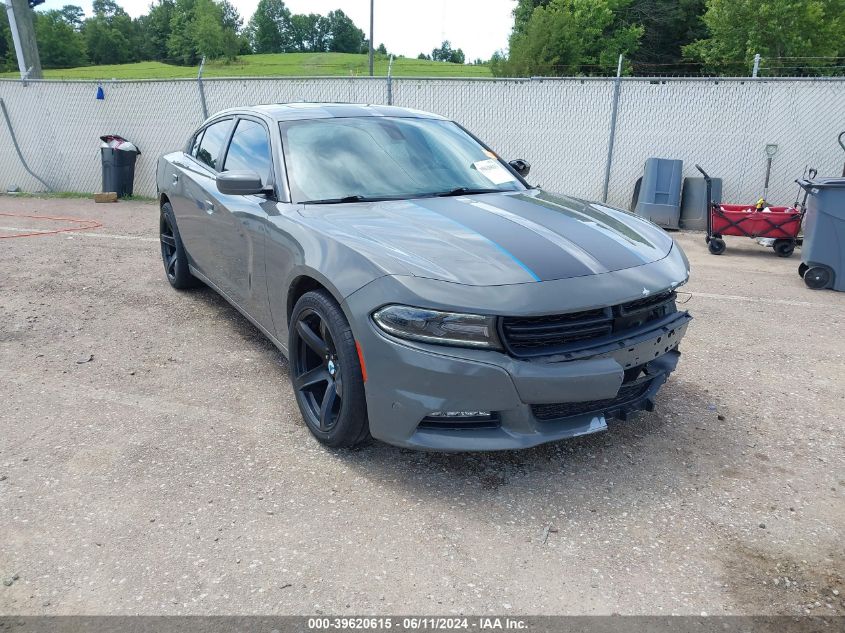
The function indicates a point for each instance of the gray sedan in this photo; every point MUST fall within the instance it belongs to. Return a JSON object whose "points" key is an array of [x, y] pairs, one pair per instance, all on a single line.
{"points": [[424, 293]]}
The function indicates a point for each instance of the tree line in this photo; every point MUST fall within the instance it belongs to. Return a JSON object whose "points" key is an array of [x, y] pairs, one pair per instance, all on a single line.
{"points": [[689, 37], [549, 37], [180, 32]]}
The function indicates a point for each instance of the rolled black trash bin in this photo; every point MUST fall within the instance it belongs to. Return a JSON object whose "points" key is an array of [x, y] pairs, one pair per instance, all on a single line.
{"points": [[118, 159]]}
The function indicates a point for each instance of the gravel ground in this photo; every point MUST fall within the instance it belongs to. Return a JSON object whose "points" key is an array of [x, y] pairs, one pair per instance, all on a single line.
{"points": [[153, 461]]}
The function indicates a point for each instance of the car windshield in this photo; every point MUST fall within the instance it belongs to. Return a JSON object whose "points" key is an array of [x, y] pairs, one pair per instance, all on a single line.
{"points": [[387, 158]]}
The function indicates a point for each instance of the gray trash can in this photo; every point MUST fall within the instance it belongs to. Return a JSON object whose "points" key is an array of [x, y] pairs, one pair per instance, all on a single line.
{"points": [[659, 196], [823, 251], [118, 158], [694, 207]]}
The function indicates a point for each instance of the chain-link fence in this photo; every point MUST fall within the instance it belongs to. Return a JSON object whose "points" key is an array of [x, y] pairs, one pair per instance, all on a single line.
{"points": [[563, 127]]}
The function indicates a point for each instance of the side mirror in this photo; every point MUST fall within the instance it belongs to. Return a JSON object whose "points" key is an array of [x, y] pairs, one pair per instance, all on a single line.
{"points": [[521, 166], [239, 183]]}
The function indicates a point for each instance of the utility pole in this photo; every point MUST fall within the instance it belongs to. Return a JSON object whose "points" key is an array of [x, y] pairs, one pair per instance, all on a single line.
{"points": [[372, 3], [23, 36]]}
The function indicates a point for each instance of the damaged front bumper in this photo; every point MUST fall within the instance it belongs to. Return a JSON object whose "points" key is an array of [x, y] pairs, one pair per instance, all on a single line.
{"points": [[443, 398]]}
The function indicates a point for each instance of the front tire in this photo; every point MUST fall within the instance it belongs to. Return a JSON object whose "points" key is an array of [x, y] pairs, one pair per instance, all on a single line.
{"points": [[173, 253], [326, 373]]}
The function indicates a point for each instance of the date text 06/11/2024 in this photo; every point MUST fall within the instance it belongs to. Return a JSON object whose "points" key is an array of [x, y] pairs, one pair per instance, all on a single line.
{"points": [[417, 623]]}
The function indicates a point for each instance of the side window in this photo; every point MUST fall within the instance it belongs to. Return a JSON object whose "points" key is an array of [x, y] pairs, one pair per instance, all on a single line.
{"points": [[195, 145], [250, 150], [211, 145]]}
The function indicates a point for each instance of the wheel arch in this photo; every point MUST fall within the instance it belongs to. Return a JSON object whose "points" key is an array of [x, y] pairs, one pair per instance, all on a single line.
{"points": [[307, 280]]}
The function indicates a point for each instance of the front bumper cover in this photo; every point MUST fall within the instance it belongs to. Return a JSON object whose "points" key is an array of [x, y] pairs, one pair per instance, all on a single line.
{"points": [[408, 381]]}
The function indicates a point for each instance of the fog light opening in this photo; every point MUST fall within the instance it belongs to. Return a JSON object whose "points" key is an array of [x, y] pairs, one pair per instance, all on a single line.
{"points": [[475, 415]]}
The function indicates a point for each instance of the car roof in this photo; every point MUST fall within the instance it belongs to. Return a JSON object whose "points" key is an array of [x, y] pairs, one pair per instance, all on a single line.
{"points": [[299, 111]]}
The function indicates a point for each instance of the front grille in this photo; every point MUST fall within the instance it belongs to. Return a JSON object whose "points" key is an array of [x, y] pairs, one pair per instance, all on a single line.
{"points": [[558, 333], [626, 395]]}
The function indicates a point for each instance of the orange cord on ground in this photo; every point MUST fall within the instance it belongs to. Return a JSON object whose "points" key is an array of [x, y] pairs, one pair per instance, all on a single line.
{"points": [[86, 225]]}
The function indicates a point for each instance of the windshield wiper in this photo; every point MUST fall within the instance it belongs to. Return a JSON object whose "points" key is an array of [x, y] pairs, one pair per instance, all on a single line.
{"points": [[464, 191], [355, 198]]}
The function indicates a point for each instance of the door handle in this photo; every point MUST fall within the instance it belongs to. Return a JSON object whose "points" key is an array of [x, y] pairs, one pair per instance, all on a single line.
{"points": [[209, 207], [175, 178]]}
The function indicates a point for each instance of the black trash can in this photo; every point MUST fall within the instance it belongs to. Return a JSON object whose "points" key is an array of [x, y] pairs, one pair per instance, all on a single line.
{"points": [[118, 158]]}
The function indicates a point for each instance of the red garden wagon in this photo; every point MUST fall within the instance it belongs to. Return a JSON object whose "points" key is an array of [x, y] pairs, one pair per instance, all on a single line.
{"points": [[783, 224]]}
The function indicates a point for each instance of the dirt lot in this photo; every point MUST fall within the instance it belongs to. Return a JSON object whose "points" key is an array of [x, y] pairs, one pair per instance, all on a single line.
{"points": [[152, 460]]}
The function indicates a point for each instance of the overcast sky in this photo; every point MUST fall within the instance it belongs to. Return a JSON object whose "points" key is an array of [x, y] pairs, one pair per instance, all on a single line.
{"points": [[407, 27]]}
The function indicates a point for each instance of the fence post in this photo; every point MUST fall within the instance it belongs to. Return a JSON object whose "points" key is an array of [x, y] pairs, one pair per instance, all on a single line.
{"points": [[202, 90], [756, 68], [615, 109], [390, 81], [18, 147]]}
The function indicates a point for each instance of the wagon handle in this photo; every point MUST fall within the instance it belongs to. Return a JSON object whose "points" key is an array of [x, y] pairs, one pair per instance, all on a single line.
{"points": [[709, 184]]}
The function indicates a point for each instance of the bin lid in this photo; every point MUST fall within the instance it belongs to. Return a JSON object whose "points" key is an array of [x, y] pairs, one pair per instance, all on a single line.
{"points": [[823, 183]]}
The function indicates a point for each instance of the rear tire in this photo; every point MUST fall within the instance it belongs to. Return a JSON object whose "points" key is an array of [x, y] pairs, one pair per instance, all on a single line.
{"points": [[784, 248], [326, 373], [802, 268], [717, 246], [173, 253]]}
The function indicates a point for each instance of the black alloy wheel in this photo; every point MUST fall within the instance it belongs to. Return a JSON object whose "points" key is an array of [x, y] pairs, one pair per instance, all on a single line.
{"points": [[173, 253], [317, 374], [169, 255], [326, 371]]}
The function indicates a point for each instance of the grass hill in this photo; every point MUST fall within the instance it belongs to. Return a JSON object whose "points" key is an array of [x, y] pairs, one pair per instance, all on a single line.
{"points": [[272, 65]]}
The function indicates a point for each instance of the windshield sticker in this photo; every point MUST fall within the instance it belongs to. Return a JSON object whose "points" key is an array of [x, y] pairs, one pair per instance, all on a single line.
{"points": [[493, 171]]}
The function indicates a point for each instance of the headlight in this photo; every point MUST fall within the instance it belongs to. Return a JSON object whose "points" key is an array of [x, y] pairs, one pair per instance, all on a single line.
{"points": [[442, 328]]}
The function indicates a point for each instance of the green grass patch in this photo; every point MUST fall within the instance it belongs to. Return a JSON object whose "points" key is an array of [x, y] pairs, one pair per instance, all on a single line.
{"points": [[272, 65], [73, 195]]}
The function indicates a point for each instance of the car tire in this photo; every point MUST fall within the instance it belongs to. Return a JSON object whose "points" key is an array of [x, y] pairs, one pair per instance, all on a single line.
{"points": [[325, 372], [173, 253]]}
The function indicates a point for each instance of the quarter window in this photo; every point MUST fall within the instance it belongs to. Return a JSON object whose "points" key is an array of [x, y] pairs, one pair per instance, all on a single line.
{"points": [[213, 140], [249, 150]]}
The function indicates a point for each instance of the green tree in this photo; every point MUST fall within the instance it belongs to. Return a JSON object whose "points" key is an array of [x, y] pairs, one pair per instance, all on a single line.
{"points": [[111, 36], [447, 54], [203, 28], [73, 15], [522, 13], [269, 30], [668, 25], [310, 32], [155, 28], [343, 35], [59, 44], [781, 31], [571, 37], [7, 51]]}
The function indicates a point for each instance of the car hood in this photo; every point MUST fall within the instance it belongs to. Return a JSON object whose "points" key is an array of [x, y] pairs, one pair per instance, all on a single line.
{"points": [[493, 239]]}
